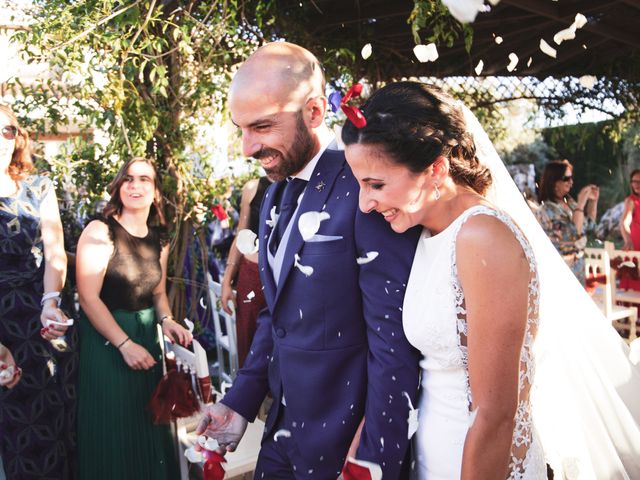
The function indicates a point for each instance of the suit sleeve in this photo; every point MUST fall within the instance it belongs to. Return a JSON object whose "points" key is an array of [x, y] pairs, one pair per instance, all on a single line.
{"points": [[252, 382], [392, 363]]}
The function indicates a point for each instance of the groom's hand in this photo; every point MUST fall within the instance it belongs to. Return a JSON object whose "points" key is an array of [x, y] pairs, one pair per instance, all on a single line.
{"points": [[223, 424]]}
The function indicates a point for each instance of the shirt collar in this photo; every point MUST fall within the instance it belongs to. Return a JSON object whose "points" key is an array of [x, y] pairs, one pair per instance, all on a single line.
{"points": [[327, 140]]}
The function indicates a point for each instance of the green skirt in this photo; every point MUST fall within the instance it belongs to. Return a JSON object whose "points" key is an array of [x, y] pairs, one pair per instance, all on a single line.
{"points": [[116, 437]]}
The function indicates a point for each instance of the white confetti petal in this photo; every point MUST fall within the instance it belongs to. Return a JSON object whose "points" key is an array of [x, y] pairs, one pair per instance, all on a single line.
{"points": [[7, 373], [464, 11], [413, 417], [281, 433], [498, 40], [547, 49], [566, 34], [580, 20], [193, 456], [426, 53], [202, 304], [366, 51], [513, 62], [273, 217], [529, 62], [251, 295], [189, 324], [369, 256], [247, 242], [309, 223], [211, 444], [588, 81], [305, 269], [494, 2], [479, 67]]}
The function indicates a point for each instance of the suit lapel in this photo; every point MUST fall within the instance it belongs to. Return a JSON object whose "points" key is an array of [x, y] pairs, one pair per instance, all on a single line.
{"points": [[265, 229], [315, 197]]}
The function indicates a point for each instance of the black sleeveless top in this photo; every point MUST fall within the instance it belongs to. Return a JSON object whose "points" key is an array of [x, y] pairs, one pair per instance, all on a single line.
{"points": [[256, 202], [134, 269]]}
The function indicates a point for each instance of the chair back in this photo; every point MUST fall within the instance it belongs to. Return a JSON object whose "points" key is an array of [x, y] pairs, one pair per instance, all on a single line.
{"points": [[226, 337], [596, 266]]}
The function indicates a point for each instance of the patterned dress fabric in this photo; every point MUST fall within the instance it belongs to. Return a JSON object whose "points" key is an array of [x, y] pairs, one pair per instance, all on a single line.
{"points": [[557, 222], [434, 319], [37, 417]]}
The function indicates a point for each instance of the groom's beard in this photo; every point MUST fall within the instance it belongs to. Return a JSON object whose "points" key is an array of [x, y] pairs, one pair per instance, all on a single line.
{"points": [[295, 159]]}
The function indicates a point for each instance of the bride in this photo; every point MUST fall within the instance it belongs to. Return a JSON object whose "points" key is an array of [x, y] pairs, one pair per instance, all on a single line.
{"points": [[519, 367]]}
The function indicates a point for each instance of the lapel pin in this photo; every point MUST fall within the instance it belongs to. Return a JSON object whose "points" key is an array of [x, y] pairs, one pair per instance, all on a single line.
{"points": [[320, 186]]}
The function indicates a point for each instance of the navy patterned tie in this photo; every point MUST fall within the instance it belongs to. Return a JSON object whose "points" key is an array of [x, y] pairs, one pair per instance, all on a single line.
{"points": [[288, 204]]}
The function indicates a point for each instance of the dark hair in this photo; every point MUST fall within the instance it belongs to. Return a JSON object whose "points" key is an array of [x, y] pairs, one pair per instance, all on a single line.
{"points": [[416, 123], [553, 172], [114, 205], [21, 163]]}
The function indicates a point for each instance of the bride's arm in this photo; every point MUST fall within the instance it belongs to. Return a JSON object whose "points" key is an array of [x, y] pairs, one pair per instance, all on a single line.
{"points": [[494, 276]]}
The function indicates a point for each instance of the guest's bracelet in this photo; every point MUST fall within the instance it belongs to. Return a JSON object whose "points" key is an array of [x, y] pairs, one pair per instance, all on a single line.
{"points": [[578, 210], [51, 296], [164, 317], [122, 343]]}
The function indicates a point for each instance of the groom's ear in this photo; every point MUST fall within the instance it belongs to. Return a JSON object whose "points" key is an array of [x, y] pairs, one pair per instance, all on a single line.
{"points": [[316, 108]]}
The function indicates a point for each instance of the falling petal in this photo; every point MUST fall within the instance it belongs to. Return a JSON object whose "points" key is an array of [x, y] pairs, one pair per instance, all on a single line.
{"points": [[566, 34], [529, 62], [369, 256], [202, 304], [494, 2], [193, 456], [382, 441], [274, 217], [513, 61], [498, 39], [309, 223], [7, 373], [366, 51], [413, 417], [189, 325], [588, 81], [281, 433], [546, 48], [464, 11], [211, 444], [306, 270], [426, 53], [247, 242], [479, 67], [251, 295], [580, 20]]}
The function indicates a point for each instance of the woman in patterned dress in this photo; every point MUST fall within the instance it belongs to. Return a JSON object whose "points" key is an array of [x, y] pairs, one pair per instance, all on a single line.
{"points": [[566, 220], [37, 416]]}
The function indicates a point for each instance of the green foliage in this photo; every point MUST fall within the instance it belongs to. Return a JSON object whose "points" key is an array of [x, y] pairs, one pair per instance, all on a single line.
{"points": [[434, 17]]}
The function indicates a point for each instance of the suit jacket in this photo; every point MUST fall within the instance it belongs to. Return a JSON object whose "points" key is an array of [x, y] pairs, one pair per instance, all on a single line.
{"points": [[332, 342]]}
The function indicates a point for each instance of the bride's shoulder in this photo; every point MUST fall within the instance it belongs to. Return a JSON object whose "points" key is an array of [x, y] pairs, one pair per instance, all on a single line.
{"points": [[487, 229]]}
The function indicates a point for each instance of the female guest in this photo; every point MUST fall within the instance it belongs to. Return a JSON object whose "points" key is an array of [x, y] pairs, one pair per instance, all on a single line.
{"points": [[566, 220], [121, 274], [630, 220], [482, 282], [36, 416], [242, 270]]}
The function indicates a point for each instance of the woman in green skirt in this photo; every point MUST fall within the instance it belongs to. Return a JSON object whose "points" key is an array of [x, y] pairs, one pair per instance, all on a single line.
{"points": [[121, 274]]}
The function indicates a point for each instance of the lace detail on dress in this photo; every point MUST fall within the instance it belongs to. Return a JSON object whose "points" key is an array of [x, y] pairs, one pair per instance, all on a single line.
{"points": [[523, 438]]}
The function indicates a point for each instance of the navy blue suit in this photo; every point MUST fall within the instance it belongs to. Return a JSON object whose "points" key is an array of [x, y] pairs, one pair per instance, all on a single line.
{"points": [[332, 343]]}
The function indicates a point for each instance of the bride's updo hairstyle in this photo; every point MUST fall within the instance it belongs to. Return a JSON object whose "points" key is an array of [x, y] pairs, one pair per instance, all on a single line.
{"points": [[415, 124]]}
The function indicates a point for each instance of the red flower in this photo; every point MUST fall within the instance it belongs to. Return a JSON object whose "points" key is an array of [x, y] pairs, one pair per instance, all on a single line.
{"points": [[353, 113]]}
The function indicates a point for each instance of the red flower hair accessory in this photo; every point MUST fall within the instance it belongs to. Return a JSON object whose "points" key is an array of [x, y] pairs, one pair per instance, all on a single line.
{"points": [[353, 113]]}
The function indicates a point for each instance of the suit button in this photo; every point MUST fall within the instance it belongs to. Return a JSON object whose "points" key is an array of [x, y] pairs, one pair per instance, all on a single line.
{"points": [[280, 332]]}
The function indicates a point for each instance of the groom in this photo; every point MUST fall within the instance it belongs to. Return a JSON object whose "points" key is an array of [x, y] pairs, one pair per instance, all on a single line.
{"points": [[330, 345]]}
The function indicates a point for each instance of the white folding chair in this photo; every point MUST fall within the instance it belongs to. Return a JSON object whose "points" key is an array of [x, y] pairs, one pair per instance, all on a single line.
{"points": [[597, 264], [631, 256], [193, 362], [226, 339]]}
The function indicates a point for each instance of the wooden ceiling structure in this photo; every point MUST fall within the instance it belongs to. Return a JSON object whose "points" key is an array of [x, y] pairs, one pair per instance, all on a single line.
{"points": [[607, 45]]}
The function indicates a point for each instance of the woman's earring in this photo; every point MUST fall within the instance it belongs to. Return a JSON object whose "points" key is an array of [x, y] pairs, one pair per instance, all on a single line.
{"points": [[436, 192]]}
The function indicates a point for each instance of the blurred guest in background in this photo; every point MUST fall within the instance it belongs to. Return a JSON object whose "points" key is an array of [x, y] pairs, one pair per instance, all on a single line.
{"points": [[37, 416], [630, 220], [565, 220], [242, 270]]}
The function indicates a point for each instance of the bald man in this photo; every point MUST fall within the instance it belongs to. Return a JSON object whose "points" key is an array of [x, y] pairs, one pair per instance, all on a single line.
{"points": [[330, 345]]}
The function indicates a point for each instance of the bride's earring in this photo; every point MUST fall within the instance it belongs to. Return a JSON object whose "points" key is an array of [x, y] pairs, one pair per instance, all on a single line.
{"points": [[436, 192]]}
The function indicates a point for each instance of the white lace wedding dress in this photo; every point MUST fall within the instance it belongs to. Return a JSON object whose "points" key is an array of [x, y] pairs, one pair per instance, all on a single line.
{"points": [[434, 322]]}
